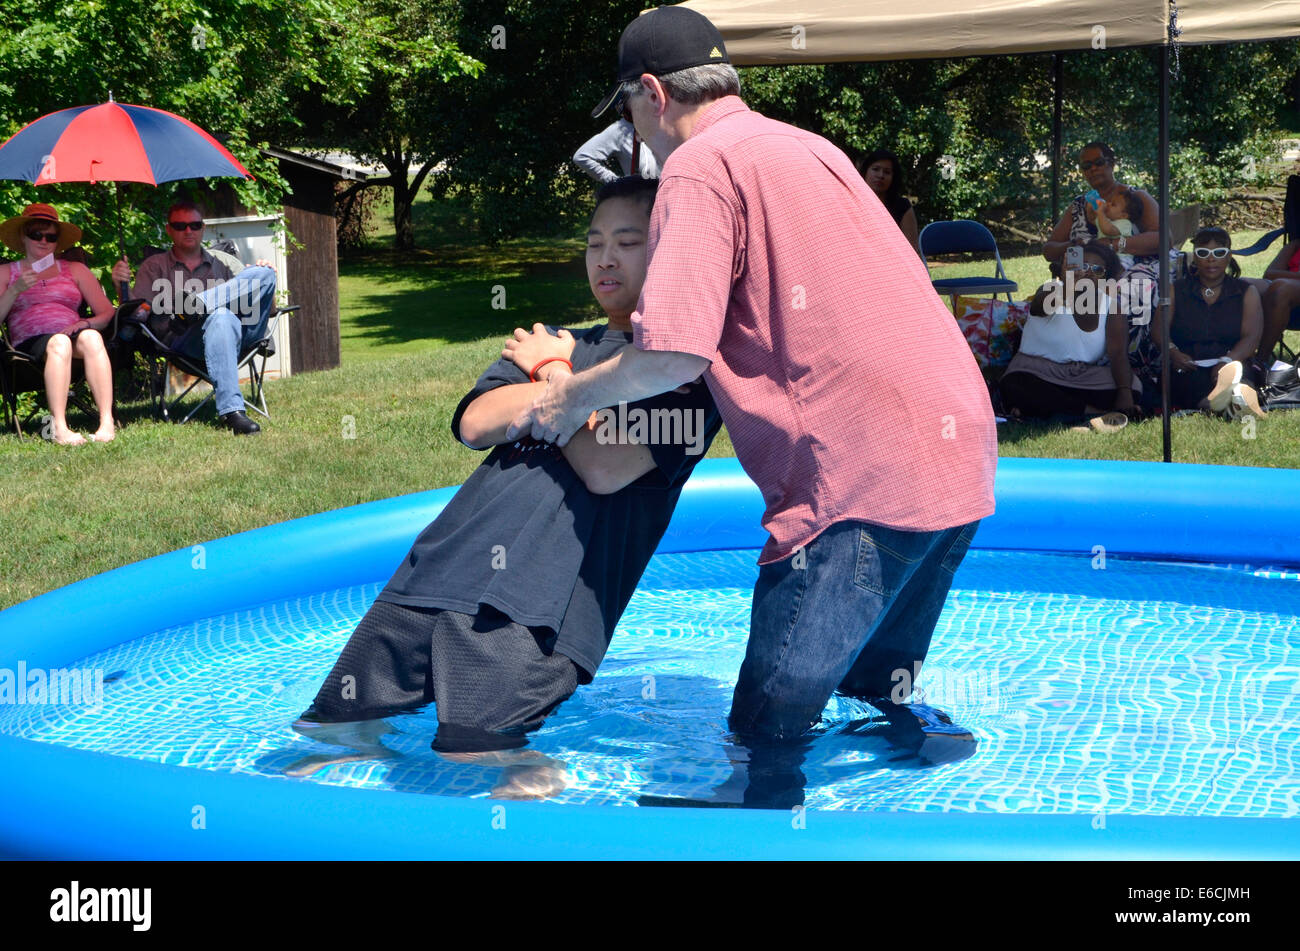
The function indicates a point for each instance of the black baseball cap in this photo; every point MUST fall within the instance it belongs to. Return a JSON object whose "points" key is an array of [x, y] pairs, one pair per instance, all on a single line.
{"points": [[662, 41]]}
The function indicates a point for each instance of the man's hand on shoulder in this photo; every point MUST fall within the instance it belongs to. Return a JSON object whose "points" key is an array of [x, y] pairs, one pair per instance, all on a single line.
{"points": [[552, 416]]}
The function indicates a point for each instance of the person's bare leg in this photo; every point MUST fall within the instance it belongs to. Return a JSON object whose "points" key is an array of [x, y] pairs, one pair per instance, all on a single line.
{"points": [[89, 346], [58, 377], [1280, 299]]}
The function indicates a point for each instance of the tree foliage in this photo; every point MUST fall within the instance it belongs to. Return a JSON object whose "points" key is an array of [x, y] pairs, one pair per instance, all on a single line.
{"points": [[406, 56], [992, 119], [238, 68], [507, 137], [974, 133]]}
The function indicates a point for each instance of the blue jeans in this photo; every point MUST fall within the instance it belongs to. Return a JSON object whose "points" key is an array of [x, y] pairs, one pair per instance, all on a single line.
{"points": [[238, 311], [862, 607]]}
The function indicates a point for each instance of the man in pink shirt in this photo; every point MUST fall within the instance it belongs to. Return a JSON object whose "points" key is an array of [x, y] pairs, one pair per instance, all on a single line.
{"points": [[849, 393]]}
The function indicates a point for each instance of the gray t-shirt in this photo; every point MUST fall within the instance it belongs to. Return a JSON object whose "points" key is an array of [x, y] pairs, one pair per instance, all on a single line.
{"points": [[525, 536]]}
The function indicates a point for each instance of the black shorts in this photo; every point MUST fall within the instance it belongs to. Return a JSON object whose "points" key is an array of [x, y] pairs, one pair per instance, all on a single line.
{"points": [[493, 680], [34, 347]]}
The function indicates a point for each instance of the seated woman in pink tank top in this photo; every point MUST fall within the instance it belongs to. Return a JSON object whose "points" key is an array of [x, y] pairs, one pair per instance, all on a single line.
{"points": [[40, 298]]}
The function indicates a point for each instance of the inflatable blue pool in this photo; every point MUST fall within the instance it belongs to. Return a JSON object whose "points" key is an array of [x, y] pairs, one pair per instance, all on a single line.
{"points": [[1122, 641]]}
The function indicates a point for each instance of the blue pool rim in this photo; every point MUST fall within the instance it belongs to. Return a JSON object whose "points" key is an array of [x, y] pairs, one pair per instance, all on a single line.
{"points": [[58, 802]]}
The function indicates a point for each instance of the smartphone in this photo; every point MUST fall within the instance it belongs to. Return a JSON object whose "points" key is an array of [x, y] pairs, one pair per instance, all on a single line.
{"points": [[1074, 256]]}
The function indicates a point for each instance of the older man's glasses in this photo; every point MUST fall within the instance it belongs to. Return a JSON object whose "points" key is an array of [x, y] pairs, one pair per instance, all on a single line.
{"points": [[49, 237], [182, 225], [1095, 163]]}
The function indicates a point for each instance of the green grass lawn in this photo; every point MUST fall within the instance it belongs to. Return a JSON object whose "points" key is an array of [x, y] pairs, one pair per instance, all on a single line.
{"points": [[416, 331]]}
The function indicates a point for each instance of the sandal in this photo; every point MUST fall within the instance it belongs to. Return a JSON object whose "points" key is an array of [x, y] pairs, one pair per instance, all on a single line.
{"points": [[1220, 397], [1108, 422]]}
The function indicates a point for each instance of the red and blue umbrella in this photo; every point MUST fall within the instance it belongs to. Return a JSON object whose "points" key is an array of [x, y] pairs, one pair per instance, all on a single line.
{"points": [[114, 142]]}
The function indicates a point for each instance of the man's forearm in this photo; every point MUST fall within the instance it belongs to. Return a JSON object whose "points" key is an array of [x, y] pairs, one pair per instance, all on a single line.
{"points": [[634, 375], [485, 420]]}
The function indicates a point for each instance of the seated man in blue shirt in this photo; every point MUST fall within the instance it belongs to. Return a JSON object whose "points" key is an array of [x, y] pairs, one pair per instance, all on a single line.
{"points": [[236, 300], [508, 600]]}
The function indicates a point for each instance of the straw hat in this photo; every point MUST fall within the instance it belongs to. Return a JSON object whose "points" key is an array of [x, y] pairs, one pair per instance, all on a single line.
{"points": [[11, 232]]}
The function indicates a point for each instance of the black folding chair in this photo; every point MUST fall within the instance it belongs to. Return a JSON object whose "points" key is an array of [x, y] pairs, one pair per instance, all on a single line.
{"points": [[20, 373], [154, 337]]}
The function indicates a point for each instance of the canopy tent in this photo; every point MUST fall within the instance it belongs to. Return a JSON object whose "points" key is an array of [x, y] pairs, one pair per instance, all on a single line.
{"points": [[777, 32], [787, 32]]}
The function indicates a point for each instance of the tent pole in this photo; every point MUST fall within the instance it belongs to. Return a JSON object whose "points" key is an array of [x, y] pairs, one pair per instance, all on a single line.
{"points": [[1058, 81], [1162, 310]]}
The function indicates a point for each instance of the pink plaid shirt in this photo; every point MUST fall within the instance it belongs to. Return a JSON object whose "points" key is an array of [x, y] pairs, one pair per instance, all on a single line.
{"points": [[846, 386]]}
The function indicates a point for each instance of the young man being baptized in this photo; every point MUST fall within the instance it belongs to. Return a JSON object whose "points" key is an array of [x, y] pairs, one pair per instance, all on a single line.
{"points": [[506, 603]]}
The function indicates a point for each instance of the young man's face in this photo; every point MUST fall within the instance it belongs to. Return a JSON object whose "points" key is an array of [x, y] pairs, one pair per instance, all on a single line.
{"points": [[616, 259]]}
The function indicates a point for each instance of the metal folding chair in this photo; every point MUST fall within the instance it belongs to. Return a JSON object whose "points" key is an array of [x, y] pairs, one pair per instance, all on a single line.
{"points": [[958, 237]]}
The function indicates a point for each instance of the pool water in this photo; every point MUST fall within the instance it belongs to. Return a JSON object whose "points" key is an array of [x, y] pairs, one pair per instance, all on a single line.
{"points": [[1132, 687]]}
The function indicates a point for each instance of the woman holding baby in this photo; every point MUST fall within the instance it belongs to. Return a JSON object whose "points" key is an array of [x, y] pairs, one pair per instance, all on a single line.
{"points": [[1126, 219], [41, 298]]}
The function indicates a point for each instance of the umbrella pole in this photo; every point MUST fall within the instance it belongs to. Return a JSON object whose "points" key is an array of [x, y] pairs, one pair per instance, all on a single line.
{"points": [[122, 289]]}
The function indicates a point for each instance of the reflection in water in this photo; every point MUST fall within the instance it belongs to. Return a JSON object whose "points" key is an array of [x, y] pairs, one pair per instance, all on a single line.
{"points": [[768, 773]]}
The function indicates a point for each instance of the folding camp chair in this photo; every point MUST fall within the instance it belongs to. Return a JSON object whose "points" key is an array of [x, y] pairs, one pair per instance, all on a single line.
{"points": [[154, 336], [1289, 231], [19, 373], [1290, 221], [956, 237]]}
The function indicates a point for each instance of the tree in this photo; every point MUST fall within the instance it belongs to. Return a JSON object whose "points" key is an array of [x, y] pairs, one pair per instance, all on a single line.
{"points": [[227, 65], [404, 56], [507, 137]]}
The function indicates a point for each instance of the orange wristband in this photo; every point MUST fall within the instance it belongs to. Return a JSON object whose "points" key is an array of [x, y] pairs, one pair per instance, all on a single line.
{"points": [[533, 374]]}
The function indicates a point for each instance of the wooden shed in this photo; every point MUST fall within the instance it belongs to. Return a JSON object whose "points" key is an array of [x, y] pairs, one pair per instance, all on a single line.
{"points": [[312, 269]]}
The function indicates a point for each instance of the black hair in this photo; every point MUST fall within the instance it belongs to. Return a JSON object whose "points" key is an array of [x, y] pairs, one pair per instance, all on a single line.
{"points": [[629, 186], [896, 182], [1213, 235], [1109, 259], [1106, 151]]}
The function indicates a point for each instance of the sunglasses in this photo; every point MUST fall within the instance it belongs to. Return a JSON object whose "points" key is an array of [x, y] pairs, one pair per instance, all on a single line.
{"points": [[38, 236], [1095, 163], [182, 225], [1090, 268], [1204, 253]]}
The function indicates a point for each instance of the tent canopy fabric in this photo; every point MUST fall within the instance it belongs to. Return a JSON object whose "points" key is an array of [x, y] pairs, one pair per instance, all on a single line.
{"points": [[773, 32]]}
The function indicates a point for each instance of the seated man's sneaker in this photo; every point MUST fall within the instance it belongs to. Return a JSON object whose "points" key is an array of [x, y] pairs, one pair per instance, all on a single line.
{"points": [[240, 424]]}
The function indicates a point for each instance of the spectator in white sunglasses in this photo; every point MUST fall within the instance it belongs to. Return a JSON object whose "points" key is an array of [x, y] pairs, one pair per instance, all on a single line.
{"points": [[1215, 328]]}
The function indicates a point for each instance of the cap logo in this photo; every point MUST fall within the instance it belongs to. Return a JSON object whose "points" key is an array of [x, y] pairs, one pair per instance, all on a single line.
{"points": [[715, 53]]}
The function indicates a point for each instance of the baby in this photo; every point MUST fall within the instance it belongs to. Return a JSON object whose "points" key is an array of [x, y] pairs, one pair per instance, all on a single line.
{"points": [[1117, 217]]}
